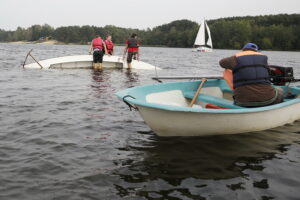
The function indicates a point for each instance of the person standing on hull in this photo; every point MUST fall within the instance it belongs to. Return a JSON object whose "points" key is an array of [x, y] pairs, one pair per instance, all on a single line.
{"points": [[109, 45], [251, 81], [132, 49], [97, 46]]}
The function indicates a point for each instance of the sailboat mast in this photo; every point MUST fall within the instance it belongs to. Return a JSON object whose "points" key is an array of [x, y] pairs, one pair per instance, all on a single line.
{"points": [[204, 24]]}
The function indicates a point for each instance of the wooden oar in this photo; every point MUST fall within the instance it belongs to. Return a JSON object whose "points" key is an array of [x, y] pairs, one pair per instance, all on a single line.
{"points": [[203, 80]]}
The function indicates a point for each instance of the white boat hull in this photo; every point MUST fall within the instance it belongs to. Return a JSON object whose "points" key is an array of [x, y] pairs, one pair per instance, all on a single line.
{"points": [[202, 49], [85, 61], [165, 108], [172, 123]]}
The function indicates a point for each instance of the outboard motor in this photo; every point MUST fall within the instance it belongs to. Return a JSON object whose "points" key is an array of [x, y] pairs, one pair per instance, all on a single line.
{"points": [[281, 75]]}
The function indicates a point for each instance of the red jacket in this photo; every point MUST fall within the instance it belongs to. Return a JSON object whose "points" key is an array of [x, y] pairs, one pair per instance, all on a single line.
{"points": [[133, 45], [109, 45], [98, 43]]}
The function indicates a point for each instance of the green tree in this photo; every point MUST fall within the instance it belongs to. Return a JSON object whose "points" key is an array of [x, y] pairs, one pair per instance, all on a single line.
{"points": [[274, 32]]}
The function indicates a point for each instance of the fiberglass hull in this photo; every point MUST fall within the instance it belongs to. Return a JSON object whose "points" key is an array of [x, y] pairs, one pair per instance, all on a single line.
{"points": [[85, 61], [164, 107]]}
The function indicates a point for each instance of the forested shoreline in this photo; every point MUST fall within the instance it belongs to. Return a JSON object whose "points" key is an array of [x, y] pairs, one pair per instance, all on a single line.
{"points": [[271, 32]]}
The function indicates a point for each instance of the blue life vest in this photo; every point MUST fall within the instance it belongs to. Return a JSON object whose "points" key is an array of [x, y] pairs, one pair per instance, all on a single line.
{"points": [[252, 68]]}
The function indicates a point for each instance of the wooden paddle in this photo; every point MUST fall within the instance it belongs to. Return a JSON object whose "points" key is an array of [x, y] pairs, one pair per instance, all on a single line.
{"points": [[203, 80]]}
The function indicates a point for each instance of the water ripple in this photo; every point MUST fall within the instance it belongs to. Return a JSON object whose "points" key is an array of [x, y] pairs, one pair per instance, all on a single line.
{"points": [[64, 135]]}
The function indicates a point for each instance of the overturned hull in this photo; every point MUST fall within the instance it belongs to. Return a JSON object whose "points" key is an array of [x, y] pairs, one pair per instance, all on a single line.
{"points": [[85, 61]]}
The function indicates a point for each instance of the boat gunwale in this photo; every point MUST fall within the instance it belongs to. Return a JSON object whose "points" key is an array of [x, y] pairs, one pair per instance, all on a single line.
{"points": [[138, 102]]}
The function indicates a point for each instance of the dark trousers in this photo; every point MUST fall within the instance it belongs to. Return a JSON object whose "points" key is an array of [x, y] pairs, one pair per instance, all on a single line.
{"points": [[98, 57], [131, 55]]}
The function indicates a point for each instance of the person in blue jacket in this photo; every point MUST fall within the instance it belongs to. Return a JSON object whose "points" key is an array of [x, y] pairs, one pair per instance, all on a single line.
{"points": [[251, 80]]}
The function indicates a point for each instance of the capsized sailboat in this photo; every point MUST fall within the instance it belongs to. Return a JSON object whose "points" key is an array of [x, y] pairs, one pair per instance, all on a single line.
{"points": [[85, 61], [203, 43]]}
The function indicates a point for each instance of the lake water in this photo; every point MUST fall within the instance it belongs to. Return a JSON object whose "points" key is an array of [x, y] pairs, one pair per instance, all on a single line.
{"points": [[64, 135]]}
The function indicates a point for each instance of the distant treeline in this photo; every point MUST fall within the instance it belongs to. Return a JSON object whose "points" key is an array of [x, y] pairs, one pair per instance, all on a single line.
{"points": [[273, 32]]}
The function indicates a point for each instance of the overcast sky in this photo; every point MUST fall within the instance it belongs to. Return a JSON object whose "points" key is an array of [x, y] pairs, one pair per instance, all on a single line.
{"points": [[131, 13]]}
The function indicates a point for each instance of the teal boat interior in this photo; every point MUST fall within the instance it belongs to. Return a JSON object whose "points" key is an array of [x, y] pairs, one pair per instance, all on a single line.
{"points": [[215, 92]]}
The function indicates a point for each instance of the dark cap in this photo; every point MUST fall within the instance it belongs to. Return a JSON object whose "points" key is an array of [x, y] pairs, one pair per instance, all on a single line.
{"points": [[250, 46]]}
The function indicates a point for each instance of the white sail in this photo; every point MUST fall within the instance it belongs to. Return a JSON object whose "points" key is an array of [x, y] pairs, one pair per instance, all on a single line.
{"points": [[200, 39], [203, 44], [209, 41]]}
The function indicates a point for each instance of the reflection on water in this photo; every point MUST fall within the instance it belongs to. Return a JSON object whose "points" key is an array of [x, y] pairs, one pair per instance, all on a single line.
{"points": [[167, 163], [131, 75], [98, 75], [100, 81], [65, 135]]}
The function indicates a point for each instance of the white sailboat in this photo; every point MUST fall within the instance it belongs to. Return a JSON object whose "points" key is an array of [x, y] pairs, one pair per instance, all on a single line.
{"points": [[203, 44]]}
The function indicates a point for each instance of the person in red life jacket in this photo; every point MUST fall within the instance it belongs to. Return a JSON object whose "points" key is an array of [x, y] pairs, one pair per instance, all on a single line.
{"points": [[132, 49], [97, 46], [251, 81], [109, 45]]}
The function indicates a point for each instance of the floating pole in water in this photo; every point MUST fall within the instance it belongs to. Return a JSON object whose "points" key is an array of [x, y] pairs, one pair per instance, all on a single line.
{"points": [[27, 57], [219, 77], [29, 54]]}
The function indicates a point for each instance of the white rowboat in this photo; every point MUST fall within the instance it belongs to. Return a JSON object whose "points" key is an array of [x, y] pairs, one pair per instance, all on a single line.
{"points": [[164, 107]]}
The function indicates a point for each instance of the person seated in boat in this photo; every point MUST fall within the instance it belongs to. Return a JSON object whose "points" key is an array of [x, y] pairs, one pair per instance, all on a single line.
{"points": [[251, 81], [132, 49], [109, 45], [97, 46]]}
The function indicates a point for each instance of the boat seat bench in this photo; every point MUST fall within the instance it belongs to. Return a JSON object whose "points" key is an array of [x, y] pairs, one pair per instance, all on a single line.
{"points": [[212, 100]]}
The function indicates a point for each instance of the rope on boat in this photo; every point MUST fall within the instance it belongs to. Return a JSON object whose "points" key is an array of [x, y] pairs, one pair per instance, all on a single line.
{"points": [[129, 104]]}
